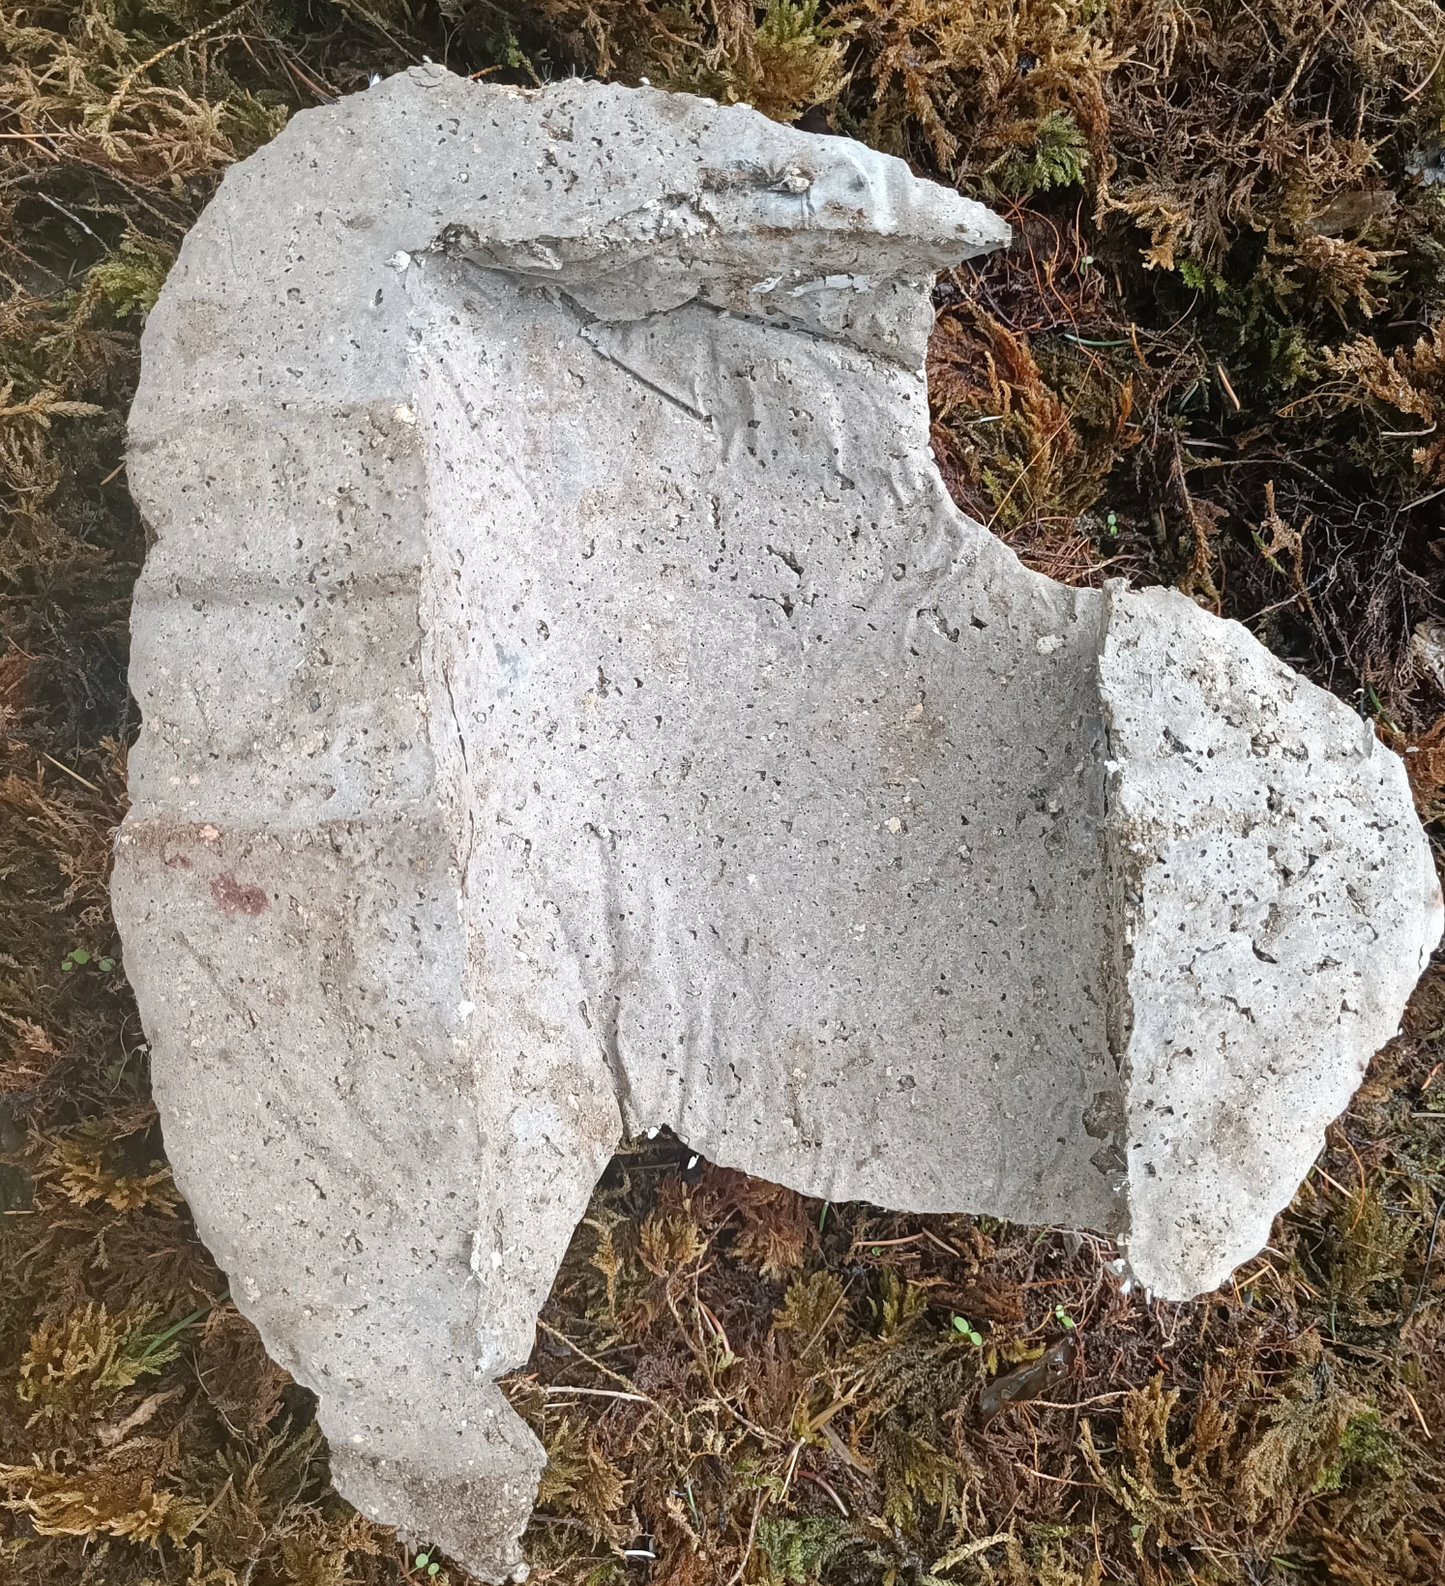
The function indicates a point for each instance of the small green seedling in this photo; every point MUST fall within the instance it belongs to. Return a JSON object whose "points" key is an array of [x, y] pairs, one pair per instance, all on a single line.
{"points": [[1062, 1317], [1112, 523], [961, 1324], [78, 957], [423, 1561]]}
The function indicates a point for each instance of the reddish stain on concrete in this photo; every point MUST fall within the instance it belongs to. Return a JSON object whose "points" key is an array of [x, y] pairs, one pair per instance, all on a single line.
{"points": [[232, 898]]}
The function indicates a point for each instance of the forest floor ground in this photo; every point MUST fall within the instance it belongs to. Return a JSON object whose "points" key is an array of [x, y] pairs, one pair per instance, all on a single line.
{"points": [[1215, 358]]}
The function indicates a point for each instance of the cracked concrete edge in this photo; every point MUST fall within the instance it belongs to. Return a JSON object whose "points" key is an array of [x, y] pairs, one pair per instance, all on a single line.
{"points": [[661, 226]]}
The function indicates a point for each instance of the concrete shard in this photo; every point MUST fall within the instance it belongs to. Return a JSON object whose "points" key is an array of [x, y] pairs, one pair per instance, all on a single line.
{"points": [[572, 704], [1277, 906]]}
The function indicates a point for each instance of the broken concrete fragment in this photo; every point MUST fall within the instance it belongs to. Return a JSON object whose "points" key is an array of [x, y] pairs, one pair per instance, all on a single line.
{"points": [[573, 705]]}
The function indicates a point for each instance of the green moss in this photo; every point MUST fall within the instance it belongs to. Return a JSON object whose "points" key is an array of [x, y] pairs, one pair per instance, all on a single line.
{"points": [[796, 1552], [126, 282], [1059, 158], [1368, 1452]]}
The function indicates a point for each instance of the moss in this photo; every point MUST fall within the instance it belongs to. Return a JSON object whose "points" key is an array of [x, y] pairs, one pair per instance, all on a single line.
{"points": [[1367, 1451], [1059, 158], [796, 1552]]}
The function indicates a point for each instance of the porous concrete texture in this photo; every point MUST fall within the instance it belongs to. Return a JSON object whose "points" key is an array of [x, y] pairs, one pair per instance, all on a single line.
{"points": [[572, 705]]}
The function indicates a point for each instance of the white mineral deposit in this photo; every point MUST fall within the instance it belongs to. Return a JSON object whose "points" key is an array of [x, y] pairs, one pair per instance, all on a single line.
{"points": [[572, 705]]}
